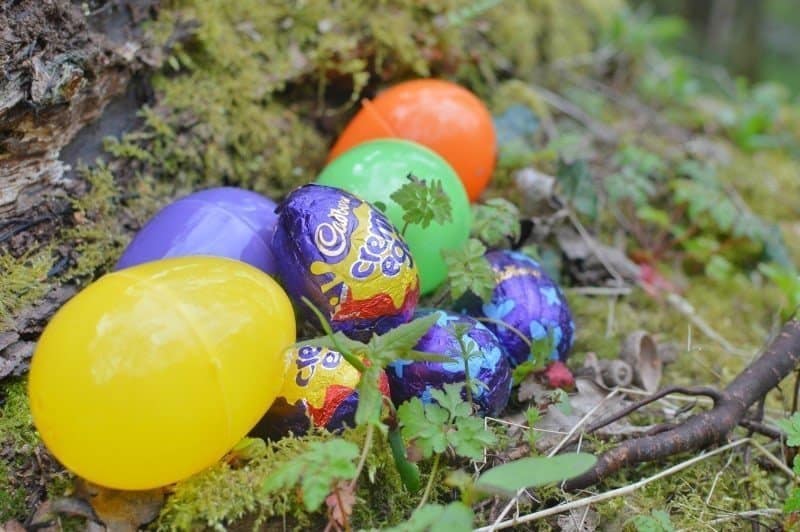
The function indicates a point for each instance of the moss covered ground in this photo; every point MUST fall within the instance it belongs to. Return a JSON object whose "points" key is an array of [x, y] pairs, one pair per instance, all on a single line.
{"points": [[255, 97]]}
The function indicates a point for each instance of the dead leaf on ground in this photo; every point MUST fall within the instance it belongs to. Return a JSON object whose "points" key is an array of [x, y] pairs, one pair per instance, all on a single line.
{"points": [[340, 503], [579, 520], [121, 510], [555, 424], [12, 526]]}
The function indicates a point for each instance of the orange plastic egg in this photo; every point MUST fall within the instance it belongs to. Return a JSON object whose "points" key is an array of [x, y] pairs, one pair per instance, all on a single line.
{"points": [[441, 115]]}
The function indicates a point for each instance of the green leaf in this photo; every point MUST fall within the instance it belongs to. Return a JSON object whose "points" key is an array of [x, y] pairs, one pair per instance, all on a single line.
{"points": [[418, 427], [657, 217], [469, 271], [791, 427], [576, 183], [370, 399], [534, 472], [455, 517], [409, 472], [658, 521], [496, 222], [316, 471], [470, 437], [423, 202], [399, 342], [562, 401], [450, 399], [792, 503]]}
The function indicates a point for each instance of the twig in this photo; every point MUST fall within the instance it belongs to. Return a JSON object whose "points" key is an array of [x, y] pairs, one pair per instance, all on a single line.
{"points": [[710, 426], [557, 448], [761, 428], [600, 290], [715, 395], [427, 492], [775, 460], [613, 493], [363, 459], [602, 132], [686, 308], [597, 252], [745, 515]]}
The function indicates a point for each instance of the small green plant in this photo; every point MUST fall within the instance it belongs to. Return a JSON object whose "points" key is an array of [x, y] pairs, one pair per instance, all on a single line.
{"points": [[469, 271], [657, 521], [532, 416], [791, 427], [432, 429], [422, 203], [788, 280], [494, 223], [316, 471]]}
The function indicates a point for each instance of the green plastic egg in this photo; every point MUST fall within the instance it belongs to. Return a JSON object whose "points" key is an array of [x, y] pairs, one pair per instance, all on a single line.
{"points": [[376, 169]]}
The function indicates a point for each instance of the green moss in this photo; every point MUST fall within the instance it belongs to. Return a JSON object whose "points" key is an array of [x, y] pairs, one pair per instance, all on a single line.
{"points": [[224, 495], [18, 442], [22, 281]]}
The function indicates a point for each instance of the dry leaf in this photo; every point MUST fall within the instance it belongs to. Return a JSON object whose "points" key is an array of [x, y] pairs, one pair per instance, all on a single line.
{"points": [[121, 510], [340, 503]]}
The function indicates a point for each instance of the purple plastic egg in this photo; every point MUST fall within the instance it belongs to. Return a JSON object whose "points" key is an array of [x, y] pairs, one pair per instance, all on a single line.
{"points": [[347, 258], [489, 369], [529, 300], [223, 222]]}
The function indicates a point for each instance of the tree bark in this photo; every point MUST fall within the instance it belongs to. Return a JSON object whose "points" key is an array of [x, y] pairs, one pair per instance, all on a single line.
{"points": [[61, 67]]}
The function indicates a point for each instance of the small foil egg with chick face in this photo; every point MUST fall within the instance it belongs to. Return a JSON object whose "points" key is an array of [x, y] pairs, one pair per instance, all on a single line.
{"points": [[319, 390]]}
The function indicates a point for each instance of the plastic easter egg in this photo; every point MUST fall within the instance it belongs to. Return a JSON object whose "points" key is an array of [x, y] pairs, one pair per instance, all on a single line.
{"points": [[346, 257], [527, 298], [319, 390], [375, 170], [441, 115], [489, 368], [222, 222], [153, 373]]}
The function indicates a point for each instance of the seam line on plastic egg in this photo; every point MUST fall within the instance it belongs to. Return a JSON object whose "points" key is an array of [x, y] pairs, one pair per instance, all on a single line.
{"points": [[214, 359], [235, 217]]}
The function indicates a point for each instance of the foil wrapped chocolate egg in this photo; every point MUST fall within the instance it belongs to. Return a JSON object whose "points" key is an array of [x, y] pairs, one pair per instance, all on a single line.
{"points": [[347, 258], [531, 302], [319, 390], [489, 369]]}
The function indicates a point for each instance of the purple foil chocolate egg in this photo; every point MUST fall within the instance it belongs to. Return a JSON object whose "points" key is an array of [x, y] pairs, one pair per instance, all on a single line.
{"points": [[527, 298], [489, 369], [223, 222], [347, 258]]}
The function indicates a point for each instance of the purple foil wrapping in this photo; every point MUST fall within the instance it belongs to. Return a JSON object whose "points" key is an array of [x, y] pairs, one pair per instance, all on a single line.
{"points": [[488, 368], [347, 258], [527, 298]]}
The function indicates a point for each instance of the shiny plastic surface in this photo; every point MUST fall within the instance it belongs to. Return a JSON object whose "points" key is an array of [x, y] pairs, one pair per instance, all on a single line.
{"points": [[374, 170], [441, 115], [221, 222], [153, 373]]}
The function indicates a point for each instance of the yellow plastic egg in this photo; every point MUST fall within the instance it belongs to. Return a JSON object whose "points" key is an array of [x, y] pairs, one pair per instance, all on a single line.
{"points": [[153, 373]]}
